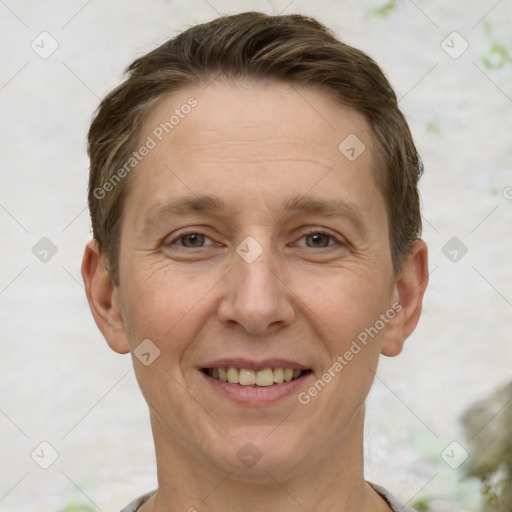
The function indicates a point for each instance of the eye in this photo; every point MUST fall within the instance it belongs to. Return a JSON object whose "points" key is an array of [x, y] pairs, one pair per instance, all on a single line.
{"points": [[318, 239], [191, 240]]}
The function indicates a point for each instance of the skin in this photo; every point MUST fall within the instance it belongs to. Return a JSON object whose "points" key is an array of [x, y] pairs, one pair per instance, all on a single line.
{"points": [[255, 146]]}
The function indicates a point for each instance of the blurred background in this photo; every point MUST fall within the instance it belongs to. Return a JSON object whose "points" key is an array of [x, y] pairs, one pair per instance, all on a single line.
{"points": [[74, 429]]}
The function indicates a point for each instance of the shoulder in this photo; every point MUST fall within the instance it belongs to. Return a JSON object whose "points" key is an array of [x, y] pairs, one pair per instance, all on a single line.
{"points": [[394, 504], [137, 503]]}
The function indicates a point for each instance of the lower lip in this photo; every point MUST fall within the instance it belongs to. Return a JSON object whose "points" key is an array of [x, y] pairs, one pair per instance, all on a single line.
{"points": [[263, 395]]}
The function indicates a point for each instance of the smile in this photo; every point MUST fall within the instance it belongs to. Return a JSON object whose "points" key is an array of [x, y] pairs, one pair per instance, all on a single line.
{"points": [[254, 378]]}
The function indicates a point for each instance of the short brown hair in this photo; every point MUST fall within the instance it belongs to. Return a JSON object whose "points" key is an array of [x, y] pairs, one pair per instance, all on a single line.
{"points": [[293, 49]]}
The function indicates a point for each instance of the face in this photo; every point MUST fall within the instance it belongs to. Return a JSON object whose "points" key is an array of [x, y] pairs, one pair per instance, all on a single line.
{"points": [[251, 241]]}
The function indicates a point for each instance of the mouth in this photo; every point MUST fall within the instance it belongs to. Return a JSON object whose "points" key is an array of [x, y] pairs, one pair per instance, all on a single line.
{"points": [[252, 383], [255, 378]]}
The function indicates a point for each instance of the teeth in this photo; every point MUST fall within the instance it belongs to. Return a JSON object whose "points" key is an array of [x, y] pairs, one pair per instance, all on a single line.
{"points": [[233, 375], [278, 375], [265, 377], [223, 375], [247, 377]]}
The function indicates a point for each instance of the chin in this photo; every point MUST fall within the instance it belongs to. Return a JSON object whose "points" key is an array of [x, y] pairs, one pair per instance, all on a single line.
{"points": [[254, 457]]}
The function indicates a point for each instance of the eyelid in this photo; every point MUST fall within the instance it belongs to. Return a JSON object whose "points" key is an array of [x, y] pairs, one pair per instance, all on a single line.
{"points": [[307, 231], [322, 231], [188, 231]]}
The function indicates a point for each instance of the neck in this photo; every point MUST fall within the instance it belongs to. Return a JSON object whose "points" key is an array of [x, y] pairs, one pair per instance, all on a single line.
{"points": [[332, 480]]}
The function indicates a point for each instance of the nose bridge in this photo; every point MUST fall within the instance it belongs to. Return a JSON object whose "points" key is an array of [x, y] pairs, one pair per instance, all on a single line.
{"points": [[257, 278], [255, 297]]}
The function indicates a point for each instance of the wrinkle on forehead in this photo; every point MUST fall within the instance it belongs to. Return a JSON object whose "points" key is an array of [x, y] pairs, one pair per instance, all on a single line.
{"points": [[239, 111], [258, 150]]}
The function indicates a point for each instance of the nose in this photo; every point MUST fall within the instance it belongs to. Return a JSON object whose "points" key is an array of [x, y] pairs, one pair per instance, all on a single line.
{"points": [[256, 298]]}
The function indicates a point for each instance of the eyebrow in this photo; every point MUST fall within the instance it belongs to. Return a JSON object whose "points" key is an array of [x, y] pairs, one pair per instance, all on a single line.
{"points": [[325, 207], [331, 208], [188, 204], [182, 206], [214, 205]]}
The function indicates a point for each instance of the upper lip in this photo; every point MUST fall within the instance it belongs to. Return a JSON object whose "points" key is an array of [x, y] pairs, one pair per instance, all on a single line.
{"points": [[251, 364]]}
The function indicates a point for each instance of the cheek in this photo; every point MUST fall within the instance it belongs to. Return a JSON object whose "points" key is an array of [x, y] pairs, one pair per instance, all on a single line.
{"points": [[345, 304], [166, 308], [169, 310], [353, 330], [346, 314]]}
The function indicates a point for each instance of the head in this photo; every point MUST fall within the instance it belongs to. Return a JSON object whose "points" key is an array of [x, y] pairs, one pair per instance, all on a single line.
{"points": [[254, 203]]}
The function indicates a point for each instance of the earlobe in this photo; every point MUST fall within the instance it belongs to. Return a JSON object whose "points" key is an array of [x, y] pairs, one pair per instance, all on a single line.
{"points": [[409, 291], [103, 297]]}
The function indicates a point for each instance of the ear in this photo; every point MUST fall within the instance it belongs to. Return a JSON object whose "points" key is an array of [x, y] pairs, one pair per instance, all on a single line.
{"points": [[409, 290], [103, 297]]}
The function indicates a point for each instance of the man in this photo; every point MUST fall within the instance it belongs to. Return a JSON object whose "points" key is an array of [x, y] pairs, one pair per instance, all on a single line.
{"points": [[253, 195]]}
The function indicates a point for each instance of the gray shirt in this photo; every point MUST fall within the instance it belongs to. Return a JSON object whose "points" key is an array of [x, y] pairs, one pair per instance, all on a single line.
{"points": [[394, 504]]}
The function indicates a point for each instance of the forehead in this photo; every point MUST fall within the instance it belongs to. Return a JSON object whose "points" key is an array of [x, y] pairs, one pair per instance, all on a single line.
{"points": [[256, 145], [271, 114]]}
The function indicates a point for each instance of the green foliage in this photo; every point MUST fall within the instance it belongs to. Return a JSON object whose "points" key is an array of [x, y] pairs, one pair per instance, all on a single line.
{"points": [[386, 9], [433, 127], [422, 505], [491, 448], [77, 507], [496, 495], [496, 57]]}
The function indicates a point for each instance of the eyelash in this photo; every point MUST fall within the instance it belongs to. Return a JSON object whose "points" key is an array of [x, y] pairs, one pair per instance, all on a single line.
{"points": [[313, 232]]}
